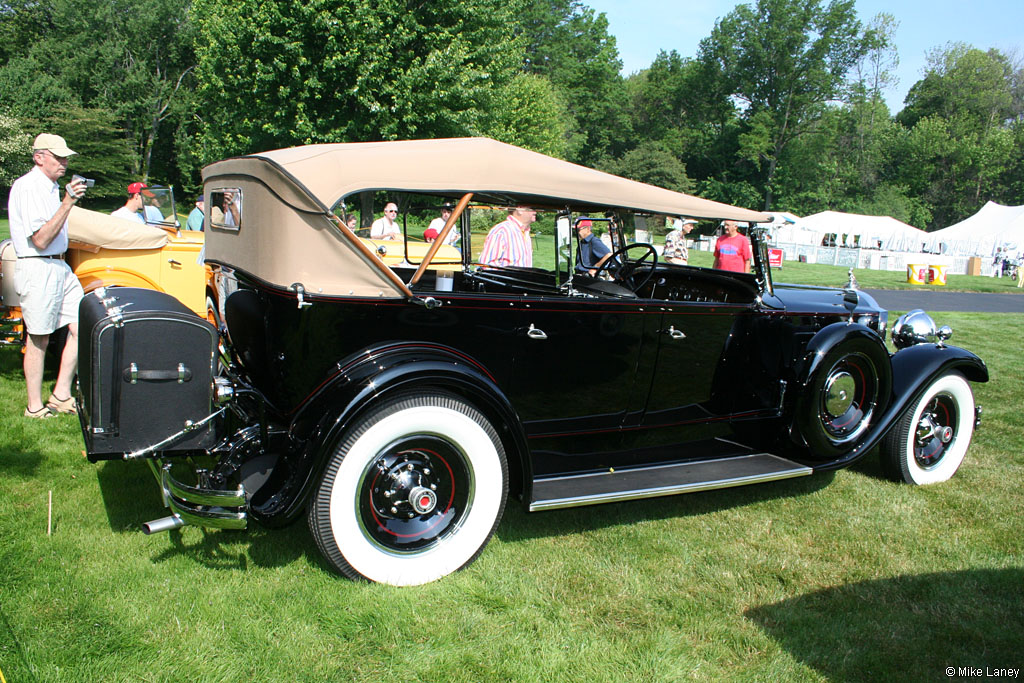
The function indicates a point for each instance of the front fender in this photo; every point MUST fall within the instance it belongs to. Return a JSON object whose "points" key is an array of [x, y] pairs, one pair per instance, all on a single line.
{"points": [[828, 338], [913, 370], [364, 380]]}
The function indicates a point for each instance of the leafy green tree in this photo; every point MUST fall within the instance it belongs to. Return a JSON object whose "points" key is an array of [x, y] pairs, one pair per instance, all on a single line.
{"points": [[651, 162], [128, 57], [295, 72], [961, 138], [103, 153], [15, 145], [529, 114], [567, 43], [782, 61]]}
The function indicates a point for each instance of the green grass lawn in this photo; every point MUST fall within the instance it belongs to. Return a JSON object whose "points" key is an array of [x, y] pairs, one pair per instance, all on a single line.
{"points": [[843, 577], [840, 577]]}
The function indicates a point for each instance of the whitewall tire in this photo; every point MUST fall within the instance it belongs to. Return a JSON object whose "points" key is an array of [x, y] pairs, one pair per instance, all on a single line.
{"points": [[413, 492], [929, 442]]}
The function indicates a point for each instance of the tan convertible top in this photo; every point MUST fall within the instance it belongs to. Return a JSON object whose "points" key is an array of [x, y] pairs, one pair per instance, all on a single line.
{"points": [[111, 232], [332, 171], [285, 235]]}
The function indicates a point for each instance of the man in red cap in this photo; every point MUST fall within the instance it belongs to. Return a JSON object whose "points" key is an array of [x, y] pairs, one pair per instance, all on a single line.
{"points": [[48, 289], [132, 208], [591, 252]]}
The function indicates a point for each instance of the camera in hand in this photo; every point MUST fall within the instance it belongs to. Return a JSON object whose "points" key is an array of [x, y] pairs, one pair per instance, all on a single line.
{"points": [[89, 182]]}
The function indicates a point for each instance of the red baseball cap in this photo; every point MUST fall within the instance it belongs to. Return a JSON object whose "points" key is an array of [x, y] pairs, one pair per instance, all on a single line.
{"points": [[136, 188], [430, 234]]}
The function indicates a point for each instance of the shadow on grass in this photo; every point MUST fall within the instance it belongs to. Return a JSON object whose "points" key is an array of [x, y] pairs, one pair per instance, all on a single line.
{"points": [[907, 627], [16, 461], [518, 524], [232, 549], [131, 497]]}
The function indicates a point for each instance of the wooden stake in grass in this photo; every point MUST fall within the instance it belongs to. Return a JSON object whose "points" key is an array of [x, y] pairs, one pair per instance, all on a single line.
{"points": [[49, 515]]}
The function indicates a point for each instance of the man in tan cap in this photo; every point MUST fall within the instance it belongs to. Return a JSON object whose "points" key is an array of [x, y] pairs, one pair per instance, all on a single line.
{"points": [[676, 250], [48, 289]]}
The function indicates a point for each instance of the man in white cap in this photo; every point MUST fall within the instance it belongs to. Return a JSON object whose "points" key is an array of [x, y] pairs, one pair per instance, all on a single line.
{"points": [[676, 250], [48, 289]]}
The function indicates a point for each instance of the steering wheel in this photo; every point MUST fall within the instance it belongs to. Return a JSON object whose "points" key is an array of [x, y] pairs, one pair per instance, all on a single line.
{"points": [[624, 272]]}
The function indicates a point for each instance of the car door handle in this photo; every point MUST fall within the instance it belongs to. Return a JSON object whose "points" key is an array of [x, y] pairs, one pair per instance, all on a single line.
{"points": [[674, 333], [534, 333], [173, 262]]}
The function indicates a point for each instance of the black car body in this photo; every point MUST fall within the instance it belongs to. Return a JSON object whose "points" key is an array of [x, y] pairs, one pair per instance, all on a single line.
{"points": [[397, 407]]}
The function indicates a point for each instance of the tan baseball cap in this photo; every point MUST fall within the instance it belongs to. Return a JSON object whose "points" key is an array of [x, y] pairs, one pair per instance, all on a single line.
{"points": [[54, 143]]}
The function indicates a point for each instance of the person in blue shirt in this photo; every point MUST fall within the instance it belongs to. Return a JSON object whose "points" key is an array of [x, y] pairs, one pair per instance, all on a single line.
{"points": [[591, 252], [195, 218]]}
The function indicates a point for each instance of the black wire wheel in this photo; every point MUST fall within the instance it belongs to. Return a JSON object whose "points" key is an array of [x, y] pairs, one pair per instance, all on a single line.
{"points": [[844, 397], [413, 492], [929, 442]]}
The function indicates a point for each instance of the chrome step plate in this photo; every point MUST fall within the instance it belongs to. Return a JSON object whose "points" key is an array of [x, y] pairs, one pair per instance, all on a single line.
{"points": [[662, 480]]}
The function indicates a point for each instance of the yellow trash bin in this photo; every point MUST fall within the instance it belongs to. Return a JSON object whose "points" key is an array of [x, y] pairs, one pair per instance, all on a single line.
{"points": [[937, 275], [917, 274]]}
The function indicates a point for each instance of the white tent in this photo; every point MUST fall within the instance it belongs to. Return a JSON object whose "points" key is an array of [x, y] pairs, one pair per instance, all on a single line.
{"points": [[853, 229], [994, 226]]}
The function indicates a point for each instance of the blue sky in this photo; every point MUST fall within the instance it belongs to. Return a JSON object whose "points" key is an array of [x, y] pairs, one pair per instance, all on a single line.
{"points": [[644, 27]]}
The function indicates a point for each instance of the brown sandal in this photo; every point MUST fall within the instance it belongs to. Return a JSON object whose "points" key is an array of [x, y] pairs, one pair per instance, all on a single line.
{"points": [[39, 414], [67, 405]]}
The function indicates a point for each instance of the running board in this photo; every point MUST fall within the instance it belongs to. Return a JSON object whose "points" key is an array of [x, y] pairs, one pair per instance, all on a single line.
{"points": [[663, 480]]}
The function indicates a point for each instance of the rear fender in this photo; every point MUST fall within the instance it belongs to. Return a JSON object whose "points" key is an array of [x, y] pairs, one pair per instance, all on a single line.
{"points": [[373, 376]]}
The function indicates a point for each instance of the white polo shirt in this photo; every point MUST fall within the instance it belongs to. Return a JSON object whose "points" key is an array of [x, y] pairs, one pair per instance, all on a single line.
{"points": [[33, 200]]}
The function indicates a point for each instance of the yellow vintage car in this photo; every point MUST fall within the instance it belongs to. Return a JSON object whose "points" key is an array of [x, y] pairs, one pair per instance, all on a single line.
{"points": [[107, 251]]}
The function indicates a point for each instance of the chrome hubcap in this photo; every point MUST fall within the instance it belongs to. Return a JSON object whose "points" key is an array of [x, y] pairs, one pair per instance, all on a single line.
{"points": [[839, 393]]}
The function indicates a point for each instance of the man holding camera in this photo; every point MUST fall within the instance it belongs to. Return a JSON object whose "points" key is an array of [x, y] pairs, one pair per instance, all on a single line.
{"points": [[49, 290]]}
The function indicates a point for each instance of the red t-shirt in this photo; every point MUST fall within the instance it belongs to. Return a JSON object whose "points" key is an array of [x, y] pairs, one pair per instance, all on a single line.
{"points": [[733, 253]]}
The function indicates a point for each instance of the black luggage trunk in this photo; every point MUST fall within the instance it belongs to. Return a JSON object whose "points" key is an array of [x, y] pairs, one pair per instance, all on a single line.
{"points": [[146, 367]]}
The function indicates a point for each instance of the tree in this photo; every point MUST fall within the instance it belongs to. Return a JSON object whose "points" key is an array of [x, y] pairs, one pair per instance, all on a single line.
{"points": [[129, 57], [15, 147], [960, 140], [295, 72], [103, 153], [569, 45], [782, 61], [652, 163]]}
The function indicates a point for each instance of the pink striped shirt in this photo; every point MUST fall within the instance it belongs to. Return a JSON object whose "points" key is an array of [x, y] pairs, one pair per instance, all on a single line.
{"points": [[508, 244]]}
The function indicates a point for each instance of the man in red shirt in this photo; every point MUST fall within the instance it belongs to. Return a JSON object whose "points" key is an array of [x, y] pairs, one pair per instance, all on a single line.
{"points": [[732, 250]]}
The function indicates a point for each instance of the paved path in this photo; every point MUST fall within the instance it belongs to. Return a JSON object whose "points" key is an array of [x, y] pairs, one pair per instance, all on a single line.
{"points": [[932, 300]]}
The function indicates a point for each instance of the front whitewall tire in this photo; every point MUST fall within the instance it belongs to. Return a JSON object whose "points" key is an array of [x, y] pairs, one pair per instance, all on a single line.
{"points": [[928, 444]]}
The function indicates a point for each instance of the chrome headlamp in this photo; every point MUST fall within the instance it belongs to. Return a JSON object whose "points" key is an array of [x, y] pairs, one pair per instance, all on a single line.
{"points": [[917, 327]]}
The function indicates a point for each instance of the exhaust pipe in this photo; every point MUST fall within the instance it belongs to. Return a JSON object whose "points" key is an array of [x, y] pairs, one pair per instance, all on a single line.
{"points": [[163, 524]]}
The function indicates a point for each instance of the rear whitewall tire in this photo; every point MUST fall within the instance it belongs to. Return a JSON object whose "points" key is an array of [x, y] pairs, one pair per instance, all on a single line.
{"points": [[406, 446], [913, 451]]}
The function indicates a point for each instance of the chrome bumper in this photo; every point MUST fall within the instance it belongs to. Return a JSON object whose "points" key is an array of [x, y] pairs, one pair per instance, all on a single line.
{"points": [[218, 509], [10, 331]]}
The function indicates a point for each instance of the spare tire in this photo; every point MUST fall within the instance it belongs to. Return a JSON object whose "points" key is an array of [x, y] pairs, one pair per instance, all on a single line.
{"points": [[848, 389]]}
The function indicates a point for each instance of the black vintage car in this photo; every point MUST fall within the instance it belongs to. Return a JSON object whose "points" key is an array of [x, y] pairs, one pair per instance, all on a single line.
{"points": [[396, 397]]}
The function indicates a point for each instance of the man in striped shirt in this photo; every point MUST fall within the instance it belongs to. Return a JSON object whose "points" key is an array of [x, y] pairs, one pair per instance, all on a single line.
{"points": [[508, 243]]}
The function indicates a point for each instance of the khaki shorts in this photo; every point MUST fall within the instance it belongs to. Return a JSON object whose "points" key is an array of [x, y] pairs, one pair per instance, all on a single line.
{"points": [[50, 293]]}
